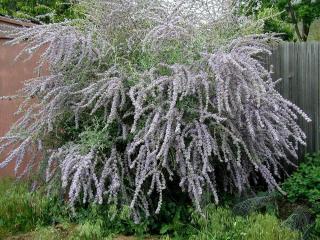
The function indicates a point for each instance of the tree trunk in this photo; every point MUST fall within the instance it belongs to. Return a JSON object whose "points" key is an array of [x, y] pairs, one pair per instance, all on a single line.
{"points": [[294, 21], [305, 30]]}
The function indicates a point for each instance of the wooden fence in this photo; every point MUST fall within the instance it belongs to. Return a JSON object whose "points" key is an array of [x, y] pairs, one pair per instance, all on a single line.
{"points": [[298, 64]]}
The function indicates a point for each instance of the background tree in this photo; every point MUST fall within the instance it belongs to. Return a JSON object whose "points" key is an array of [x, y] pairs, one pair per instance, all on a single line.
{"points": [[40, 10], [286, 12], [304, 11]]}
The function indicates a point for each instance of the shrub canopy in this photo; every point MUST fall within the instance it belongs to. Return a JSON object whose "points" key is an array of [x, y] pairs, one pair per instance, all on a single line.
{"points": [[144, 96]]}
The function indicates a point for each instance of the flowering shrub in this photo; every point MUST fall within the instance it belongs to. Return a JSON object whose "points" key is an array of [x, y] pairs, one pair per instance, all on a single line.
{"points": [[153, 92]]}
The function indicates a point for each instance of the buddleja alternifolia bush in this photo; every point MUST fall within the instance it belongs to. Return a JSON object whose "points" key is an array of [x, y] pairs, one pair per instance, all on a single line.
{"points": [[142, 93]]}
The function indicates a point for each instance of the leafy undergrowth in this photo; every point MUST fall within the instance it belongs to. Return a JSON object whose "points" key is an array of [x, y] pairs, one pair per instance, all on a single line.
{"points": [[304, 185], [303, 188], [218, 224], [30, 215]]}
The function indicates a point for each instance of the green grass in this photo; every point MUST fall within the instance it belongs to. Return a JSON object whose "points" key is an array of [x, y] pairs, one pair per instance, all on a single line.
{"points": [[20, 210], [221, 223]]}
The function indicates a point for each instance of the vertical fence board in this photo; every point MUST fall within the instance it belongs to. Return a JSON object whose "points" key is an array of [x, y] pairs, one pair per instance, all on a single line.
{"points": [[317, 99], [315, 92]]}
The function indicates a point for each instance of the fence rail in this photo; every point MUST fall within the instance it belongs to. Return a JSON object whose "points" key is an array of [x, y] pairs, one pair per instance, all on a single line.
{"points": [[298, 64]]}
